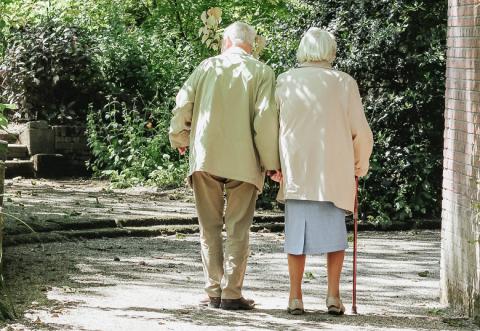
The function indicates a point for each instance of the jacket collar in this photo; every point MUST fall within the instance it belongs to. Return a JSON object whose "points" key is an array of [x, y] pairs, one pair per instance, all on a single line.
{"points": [[318, 64]]}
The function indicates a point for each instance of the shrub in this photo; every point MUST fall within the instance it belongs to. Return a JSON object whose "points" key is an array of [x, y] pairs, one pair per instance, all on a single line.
{"points": [[140, 53], [129, 149], [49, 72], [396, 51], [123, 60]]}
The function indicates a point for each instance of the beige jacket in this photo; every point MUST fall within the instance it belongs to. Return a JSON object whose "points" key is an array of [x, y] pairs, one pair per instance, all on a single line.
{"points": [[226, 113], [325, 140]]}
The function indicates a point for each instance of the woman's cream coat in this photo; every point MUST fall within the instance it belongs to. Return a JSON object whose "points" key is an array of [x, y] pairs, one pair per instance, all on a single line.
{"points": [[325, 140]]}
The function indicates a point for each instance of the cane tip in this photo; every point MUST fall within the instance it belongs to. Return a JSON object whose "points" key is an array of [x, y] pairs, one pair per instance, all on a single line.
{"points": [[354, 310]]}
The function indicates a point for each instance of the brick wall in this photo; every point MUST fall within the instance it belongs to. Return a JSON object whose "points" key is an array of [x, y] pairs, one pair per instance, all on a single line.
{"points": [[460, 262]]}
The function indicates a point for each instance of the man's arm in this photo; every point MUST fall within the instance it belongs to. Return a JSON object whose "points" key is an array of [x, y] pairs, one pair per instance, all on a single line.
{"points": [[266, 122], [180, 124]]}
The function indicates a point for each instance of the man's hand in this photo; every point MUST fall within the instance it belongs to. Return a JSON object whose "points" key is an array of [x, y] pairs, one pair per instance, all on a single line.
{"points": [[276, 175], [182, 150]]}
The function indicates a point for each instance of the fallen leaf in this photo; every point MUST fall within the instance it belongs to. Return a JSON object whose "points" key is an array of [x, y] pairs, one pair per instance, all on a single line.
{"points": [[309, 275]]}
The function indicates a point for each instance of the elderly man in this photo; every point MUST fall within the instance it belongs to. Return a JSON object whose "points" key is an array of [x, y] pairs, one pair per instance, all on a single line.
{"points": [[226, 114]]}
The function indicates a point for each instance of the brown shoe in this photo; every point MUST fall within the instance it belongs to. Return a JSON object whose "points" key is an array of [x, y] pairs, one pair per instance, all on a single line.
{"points": [[237, 304], [212, 302]]}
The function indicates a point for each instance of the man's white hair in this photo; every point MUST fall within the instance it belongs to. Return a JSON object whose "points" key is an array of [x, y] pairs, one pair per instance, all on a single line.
{"points": [[317, 45], [240, 33]]}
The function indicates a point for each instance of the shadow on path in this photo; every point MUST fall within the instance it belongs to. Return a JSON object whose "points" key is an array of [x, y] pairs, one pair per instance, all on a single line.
{"points": [[155, 284]]}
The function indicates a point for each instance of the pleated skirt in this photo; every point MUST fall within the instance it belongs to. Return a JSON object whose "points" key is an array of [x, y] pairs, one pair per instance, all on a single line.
{"points": [[314, 227]]}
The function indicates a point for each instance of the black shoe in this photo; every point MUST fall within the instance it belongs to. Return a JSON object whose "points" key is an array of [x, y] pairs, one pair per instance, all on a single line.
{"points": [[237, 304], [212, 302]]}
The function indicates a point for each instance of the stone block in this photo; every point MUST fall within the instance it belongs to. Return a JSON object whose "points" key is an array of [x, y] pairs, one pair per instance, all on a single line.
{"points": [[38, 125], [16, 168], [70, 140], [59, 130], [69, 131], [17, 151], [11, 138], [38, 137], [61, 146], [49, 166], [3, 150]]}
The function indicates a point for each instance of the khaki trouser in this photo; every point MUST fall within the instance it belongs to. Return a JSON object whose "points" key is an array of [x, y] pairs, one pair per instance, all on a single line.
{"points": [[209, 199]]}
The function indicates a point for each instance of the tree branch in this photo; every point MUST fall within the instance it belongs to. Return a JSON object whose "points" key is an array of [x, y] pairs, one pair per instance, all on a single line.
{"points": [[179, 18]]}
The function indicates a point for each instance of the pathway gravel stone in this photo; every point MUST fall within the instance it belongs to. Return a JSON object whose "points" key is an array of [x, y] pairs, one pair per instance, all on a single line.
{"points": [[155, 284]]}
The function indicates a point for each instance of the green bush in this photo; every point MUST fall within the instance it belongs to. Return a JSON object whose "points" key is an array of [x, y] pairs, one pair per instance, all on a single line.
{"points": [[396, 51], [140, 53], [49, 72], [129, 150]]}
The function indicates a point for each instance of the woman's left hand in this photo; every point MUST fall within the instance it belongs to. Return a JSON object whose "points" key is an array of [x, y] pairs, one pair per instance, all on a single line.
{"points": [[276, 175]]}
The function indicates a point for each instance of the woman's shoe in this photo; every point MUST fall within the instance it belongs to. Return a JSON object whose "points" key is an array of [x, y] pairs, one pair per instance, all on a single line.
{"points": [[295, 307], [335, 306]]}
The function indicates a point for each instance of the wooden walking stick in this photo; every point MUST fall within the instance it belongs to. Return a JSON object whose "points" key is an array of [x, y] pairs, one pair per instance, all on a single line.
{"points": [[355, 234]]}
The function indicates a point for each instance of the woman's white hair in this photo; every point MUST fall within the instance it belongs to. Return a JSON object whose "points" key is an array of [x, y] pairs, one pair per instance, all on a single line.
{"points": [[317, 45], [240, 33]]}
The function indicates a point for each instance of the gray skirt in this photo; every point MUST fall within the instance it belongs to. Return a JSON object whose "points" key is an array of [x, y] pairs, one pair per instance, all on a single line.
{"points": [[314, 227]]}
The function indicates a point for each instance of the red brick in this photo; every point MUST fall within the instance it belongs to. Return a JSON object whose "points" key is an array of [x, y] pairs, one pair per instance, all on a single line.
{"points": [[470, 41], [459, 84], [462, 21], [462, 74], [463, 8], [463, 63], [462, 31]]}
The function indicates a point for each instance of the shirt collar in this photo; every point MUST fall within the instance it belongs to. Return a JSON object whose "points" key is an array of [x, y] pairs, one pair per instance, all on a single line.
{"points": [[318, 64]]}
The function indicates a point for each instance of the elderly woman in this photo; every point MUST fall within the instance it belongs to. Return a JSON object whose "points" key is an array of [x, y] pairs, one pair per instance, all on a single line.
{"points": [[325, 141]]}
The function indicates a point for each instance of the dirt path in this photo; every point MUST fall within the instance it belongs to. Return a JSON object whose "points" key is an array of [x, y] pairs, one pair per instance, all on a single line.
{"points": [[157, 282], [68, 209]]}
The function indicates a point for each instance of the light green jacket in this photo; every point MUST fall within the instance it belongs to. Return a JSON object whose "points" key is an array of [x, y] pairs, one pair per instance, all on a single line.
{"points": [[226, 113]]}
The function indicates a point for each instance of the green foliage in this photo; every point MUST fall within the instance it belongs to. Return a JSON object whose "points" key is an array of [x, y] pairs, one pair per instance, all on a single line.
{"points": [[396, 51], [48, 72], [136, 55], [3, 116], [129, 150]]}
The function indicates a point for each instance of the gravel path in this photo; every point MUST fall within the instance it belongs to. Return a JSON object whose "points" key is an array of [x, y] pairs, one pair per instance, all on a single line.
{"points": [[40, 200], [155, 284]]}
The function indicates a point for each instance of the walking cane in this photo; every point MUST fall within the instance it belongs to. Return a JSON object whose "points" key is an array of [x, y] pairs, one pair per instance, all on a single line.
{"points": [[355, 233]]}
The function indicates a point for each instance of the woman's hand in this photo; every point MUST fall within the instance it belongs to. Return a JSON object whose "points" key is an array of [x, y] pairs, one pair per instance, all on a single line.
{"points": [[182, 150], [276, 175]]}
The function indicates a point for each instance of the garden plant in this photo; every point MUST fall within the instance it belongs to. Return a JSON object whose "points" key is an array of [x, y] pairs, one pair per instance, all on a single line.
{"points": [[117, 65]]}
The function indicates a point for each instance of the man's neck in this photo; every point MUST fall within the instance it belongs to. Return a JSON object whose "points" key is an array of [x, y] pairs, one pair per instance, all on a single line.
{"points": [[246, 47]]}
